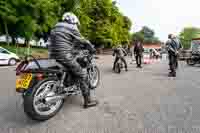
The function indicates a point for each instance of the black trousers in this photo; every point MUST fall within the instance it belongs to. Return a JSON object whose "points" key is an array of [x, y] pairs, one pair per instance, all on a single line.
{"points": [[173, 63], [74, 67], [177, 58], [138, 58], [122, 59]]}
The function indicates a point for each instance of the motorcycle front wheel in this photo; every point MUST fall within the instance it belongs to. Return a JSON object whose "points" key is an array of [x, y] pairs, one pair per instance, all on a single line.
{"points": [[94, 76], [35, 105]]}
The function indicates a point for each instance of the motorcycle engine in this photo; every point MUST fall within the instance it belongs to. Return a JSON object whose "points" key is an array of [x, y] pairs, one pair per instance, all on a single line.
{"points": [[83, 61]]}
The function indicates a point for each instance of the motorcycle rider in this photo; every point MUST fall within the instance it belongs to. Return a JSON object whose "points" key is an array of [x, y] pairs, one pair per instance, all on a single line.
{"points": [[120, 53], [64, 37]]}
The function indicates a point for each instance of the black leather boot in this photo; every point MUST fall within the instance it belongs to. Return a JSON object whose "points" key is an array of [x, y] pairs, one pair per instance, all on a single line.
{"points": [[172, 74], [88, 102], [113, 67]]}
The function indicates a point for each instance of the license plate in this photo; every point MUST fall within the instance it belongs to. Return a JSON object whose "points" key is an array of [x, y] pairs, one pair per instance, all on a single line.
{"points": [[23, 81]]}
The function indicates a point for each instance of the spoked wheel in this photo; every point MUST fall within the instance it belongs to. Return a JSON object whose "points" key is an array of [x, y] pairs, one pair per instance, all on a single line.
{"points": [[94, 75], [35, 104]]}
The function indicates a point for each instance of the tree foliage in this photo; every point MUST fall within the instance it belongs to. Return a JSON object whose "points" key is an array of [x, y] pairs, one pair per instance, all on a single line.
{"points": [[101, 21], [29, 18], [146, 35], [187, 34]]}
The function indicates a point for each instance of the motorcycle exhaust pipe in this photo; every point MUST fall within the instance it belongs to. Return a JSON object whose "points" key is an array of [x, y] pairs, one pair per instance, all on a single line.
{"points": [[54, 99]]}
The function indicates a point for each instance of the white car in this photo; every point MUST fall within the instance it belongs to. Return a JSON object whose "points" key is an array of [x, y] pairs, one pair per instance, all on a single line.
{"points": [[7, 57]]}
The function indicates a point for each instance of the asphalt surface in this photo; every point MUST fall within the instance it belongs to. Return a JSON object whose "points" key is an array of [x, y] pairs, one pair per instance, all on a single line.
{"points": [[138, 100]]}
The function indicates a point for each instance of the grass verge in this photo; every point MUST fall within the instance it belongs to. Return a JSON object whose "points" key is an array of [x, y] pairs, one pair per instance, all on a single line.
{"points": [[22, 51]]}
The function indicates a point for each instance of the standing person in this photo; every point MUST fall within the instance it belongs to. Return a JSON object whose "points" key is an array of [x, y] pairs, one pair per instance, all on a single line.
{"points": [[172, 48], [129, 50], [179, 47], [120, 53], [151, 54], [126, 48], [138, 51], [64, 37], [131, 53]]}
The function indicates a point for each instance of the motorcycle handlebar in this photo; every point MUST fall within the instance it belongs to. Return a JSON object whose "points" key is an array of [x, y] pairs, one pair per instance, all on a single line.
{"points": [[24, 63], [34, 60]]}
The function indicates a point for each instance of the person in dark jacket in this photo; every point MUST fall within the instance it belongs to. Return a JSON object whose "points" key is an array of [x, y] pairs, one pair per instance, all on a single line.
{"points": [[179, 46], [64, 37], [173, 45], [120, 52], [138, 52]]}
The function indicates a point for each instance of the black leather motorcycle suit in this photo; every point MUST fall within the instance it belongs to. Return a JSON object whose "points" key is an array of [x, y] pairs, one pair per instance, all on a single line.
{"points": [[64, 37]]}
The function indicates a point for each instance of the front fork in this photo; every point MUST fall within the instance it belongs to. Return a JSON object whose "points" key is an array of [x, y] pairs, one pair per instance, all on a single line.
{"points": [[61, 84], [90, 71]]}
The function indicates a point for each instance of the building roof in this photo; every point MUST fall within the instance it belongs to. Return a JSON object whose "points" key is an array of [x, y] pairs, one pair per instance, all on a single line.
{"points": [[196, 37], [151, 46]]}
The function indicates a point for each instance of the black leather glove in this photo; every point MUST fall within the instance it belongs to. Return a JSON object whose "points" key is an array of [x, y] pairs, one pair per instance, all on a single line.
{"points": [[93, 51], [91, 48]]}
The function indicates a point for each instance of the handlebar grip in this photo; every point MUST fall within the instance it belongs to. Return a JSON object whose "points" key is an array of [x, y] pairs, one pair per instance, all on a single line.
{"points": [[34, 59]]}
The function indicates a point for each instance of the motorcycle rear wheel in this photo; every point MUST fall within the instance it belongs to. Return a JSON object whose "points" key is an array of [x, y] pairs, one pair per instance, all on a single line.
{"points": [[118, 68], [48, 111]]}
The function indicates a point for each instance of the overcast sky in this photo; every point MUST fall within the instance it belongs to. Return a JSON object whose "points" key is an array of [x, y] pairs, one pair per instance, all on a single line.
{"points": [[164, 16]]}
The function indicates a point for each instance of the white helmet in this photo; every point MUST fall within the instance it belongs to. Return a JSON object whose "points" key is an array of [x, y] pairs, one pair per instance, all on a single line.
{"points": [[70, 18]]}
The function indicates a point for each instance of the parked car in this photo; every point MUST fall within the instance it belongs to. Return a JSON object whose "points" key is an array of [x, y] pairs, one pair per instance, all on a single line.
{"points": [[185, 54], [7, 57]]}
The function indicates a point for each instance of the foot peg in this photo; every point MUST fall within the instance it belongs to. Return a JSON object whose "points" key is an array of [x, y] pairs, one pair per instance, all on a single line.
{"points": [[91, 104]]}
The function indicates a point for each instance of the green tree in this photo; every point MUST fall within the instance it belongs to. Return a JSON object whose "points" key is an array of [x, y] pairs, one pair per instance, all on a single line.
{"points": [[27, 18], [102, 23], [138, 36], [146, 35], [101, 20], [46, 16], [49, 12], [66, 6], [7, 16], [187, 34]]}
